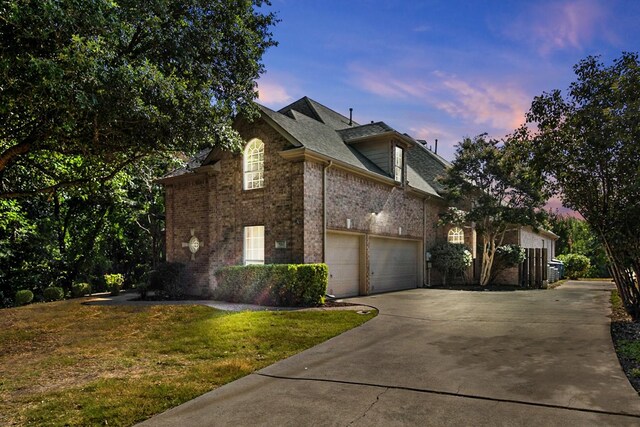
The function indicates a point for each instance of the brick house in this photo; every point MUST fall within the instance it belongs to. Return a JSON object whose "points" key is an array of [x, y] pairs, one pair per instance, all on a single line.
{"points": [[311, 185]]}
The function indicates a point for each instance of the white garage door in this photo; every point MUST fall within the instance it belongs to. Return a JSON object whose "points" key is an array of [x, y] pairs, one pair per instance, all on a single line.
{"points": [[343, 259], [394, 264]]}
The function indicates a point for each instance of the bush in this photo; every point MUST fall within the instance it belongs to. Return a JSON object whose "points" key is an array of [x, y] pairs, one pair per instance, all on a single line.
{"points": [[80, 289], [451, 258], [507, 256], [23, 297], [294, 285], [575, 265], [53, 293], [142, 289], [114, 283], [169, 280]]}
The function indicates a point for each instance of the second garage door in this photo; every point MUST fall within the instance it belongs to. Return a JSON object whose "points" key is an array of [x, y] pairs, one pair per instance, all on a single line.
{"points": [[393, 264]]}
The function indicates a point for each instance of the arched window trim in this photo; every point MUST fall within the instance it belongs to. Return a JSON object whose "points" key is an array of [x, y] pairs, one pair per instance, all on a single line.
{"points": [[456, 235], [253, 165]]}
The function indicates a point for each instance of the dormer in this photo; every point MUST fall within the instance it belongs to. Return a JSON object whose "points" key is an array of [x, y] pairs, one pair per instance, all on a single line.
{"points": [[382, 145]]}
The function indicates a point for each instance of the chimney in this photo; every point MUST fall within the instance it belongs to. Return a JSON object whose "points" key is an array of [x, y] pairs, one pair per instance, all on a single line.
{"points": [[436, 147], [350, 116]]}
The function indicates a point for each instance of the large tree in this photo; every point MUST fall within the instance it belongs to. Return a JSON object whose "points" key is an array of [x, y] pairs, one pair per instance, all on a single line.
{"points": [[498, 191], [88, 87], [587, 142]]}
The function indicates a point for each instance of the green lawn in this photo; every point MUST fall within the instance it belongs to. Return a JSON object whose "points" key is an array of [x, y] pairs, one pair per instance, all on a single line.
{"points": [[66, 363]]}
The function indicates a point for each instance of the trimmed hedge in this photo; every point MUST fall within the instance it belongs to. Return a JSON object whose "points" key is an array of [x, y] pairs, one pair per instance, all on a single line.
{"points": [[23, 297], [80, 289], [285, 285], [53, 293]]}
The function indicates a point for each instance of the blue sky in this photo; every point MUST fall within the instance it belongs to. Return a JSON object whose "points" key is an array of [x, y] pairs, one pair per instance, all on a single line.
{"points": [[439, 69]]}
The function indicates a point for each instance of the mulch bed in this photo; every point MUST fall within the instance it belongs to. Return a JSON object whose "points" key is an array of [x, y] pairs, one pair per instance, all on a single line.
{"points": [[624, 329]]}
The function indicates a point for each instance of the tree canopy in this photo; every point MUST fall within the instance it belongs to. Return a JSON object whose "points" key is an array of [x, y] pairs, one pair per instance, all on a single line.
{"points": [[587, 145], [497, 190], [88, 87]]}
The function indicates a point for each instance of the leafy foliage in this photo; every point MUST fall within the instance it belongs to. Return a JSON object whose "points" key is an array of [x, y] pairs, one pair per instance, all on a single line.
{"points": [[168, 279], [23, 297], [80, 289], [53, 293], [114, 283], [451, 259], [80, 234], [91, 87], [292, 285], [507, 256], [575, 265], [575, 236], [587, 144], [493, 181]]}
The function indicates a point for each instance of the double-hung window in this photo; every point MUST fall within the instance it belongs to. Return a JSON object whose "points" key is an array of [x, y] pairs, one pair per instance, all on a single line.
{"points": [[254, 245]]}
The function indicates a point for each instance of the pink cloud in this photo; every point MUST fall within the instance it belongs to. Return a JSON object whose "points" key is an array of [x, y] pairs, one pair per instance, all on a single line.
{"points": [[501, 106], [380, 82], [555, 205], [561, 25], [272, 93]]}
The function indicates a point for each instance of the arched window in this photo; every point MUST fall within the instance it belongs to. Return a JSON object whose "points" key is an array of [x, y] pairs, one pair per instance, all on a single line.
{"points": [[253, 165], [456, 235]]}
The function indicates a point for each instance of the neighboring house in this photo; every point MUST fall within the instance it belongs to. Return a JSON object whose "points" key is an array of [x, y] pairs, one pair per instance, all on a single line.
{"points": [[312, 186]]}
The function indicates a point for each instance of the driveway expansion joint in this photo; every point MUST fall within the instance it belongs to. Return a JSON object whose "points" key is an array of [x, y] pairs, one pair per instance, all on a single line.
{"points": [[450, 394]]}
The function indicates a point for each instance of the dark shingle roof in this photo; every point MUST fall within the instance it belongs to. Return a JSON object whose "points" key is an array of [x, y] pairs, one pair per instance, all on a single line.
{"points": [[320, 138], [193, 163], [428, 165], [317, 111], [364, 131]]}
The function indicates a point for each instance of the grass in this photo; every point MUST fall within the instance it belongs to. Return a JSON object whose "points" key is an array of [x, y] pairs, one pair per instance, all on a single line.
{"points": [[65, 363]]}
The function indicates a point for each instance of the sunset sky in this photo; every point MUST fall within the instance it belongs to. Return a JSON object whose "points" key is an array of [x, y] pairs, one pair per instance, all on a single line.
{"points": [[439, 69]]}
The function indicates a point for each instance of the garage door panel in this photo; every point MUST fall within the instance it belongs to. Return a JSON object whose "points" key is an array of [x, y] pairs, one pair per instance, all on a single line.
{"points": [[343, 260], [394, 264]]}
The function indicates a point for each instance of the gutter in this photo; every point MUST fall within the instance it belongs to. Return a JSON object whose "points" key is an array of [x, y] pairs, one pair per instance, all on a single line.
{"points": [[324, 210]]}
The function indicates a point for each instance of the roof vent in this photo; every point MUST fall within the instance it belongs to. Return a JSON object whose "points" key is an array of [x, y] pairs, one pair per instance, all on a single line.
{"points": [[350, 116]]}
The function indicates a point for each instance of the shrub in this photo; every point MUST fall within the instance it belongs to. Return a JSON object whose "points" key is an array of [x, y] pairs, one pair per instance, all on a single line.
{"points": [[80, 289], [169, 280], [142, 289], [507, 256], [23, 297], [53, 293], [276, 284], [451, 258], [114, 283], [575, 265]]}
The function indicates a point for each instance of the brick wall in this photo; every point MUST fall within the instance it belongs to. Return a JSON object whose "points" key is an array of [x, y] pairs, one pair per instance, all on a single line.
{"points": [[350, 196], [217, 208]]}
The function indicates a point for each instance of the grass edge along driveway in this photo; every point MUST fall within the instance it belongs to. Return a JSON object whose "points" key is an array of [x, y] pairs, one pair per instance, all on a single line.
{"points": [[65, 363]]}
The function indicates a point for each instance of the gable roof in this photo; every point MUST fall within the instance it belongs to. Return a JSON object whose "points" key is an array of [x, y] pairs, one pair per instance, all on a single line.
{"points": [[318, 137], [319, 112], [308, 124]]}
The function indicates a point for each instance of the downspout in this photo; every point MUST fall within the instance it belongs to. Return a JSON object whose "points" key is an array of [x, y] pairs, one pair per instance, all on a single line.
{"points": [[324, 210], [427, 271]]}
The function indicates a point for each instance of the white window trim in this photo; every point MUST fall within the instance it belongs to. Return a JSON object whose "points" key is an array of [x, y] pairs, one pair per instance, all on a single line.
{"points": [[253, 245], [398, 169], [253, 165], [456, 235]]}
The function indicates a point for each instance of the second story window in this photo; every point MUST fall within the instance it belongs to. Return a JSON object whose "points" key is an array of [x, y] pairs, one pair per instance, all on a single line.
{"points": [[253, 165], [398, 163]]}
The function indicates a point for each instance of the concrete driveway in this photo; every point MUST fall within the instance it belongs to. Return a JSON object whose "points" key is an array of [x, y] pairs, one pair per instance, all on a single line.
{"points": [[440, 357]]}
